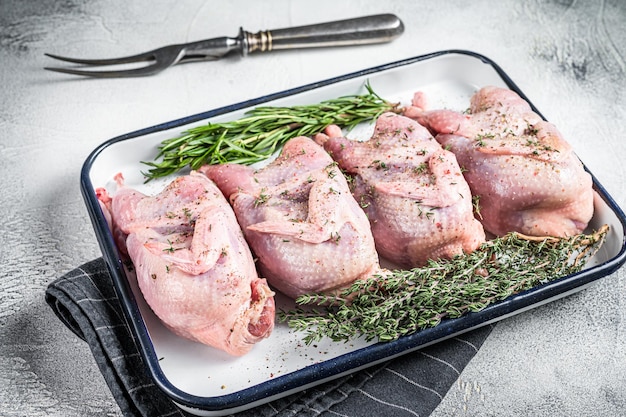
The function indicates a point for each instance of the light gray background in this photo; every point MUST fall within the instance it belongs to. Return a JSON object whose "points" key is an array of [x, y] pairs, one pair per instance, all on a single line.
{"points": [[567, 358]]}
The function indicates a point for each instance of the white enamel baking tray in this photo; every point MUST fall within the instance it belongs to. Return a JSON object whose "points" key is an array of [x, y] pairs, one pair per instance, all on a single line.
{"points": [[207, 382]]}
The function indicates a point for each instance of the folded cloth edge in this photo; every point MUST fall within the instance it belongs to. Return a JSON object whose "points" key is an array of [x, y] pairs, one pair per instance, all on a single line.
{"points": [[85, 301], [90, 308]]}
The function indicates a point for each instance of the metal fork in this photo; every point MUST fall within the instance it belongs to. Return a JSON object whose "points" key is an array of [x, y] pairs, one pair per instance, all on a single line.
{"points": [[357, 31]]}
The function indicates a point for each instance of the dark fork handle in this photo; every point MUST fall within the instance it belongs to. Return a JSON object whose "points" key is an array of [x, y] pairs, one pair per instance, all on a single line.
{"points": [[358, 31]]}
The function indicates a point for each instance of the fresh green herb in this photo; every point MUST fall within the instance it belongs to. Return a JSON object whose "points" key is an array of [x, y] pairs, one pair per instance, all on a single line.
{"points": [[171, 248], [400, 302], [262, 198], [480, 139], [261, 132], [476, 206], [421, 168], [429, 214], [330, 170], [378, 164]]}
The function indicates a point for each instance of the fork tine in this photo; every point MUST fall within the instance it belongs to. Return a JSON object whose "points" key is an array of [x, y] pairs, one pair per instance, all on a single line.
{"points": [[146, 56], [163, 58], [135, 72]]}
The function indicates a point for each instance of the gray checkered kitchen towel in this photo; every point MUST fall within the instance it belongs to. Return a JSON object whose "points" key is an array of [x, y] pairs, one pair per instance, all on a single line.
{"points": [[412, 385]]}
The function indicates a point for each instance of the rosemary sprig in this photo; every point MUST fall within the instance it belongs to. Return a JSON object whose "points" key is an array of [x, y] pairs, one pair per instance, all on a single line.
{"points": [[261, 132], [401, 302]]}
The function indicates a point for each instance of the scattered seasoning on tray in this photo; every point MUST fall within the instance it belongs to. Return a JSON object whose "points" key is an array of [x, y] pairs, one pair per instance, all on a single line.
{"points": [[261, 132], [401, 302]]}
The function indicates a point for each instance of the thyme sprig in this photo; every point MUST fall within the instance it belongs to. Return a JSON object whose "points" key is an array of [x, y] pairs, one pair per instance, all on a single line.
{"points": [[261, 132], [396, 303]]}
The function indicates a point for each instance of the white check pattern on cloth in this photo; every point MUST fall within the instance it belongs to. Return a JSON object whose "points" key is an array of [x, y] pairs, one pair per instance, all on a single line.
{"points": [[411, 385]]}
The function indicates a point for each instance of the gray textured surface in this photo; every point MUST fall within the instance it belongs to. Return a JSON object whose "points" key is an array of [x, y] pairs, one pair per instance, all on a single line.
{"points": [[569, 57]]}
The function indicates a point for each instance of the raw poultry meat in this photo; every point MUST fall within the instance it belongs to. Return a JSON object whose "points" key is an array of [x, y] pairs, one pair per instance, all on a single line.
{"points": [[300, 220], [192, 263], [525, 174], [411, 189]]}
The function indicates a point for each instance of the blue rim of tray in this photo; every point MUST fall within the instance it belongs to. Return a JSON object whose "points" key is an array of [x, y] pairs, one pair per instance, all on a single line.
{"points": [[349, 362]]}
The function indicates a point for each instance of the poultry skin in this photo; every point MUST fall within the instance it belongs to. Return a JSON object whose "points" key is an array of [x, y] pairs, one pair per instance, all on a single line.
{"points": [[411, 189], [526, 176], [193, 266], [300, 219]]}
